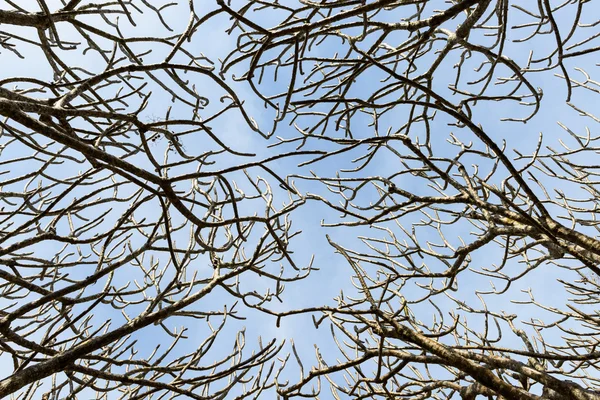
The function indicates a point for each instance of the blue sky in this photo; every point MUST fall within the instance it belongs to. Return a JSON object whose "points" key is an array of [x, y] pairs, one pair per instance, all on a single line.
{"points": [[334, 273]]}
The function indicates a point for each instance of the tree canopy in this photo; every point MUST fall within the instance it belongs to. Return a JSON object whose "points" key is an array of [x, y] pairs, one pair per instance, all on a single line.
{"points": [[370, 199]]}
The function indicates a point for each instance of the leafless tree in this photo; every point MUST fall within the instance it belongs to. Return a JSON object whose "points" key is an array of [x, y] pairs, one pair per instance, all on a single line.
{"points": [[130, 224], [135, 233], [405, 97]]}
